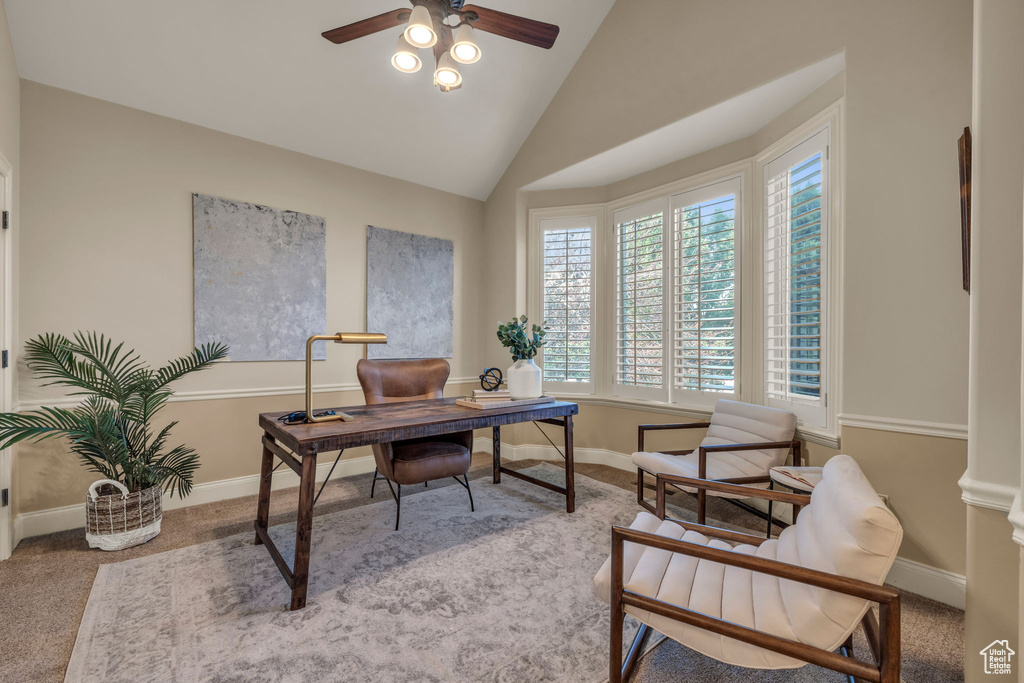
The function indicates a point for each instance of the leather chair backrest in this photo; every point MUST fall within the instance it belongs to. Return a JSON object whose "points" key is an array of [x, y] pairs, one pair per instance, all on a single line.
{"points": [[735, 422], [396, 381], [846, 530]]}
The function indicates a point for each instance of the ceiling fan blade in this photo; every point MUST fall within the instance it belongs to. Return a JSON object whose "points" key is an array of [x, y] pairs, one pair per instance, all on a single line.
{"points": [[505, 25], [381, 22]]}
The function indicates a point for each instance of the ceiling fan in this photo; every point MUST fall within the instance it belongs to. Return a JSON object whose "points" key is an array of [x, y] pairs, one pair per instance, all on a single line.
{"points": [[448, 27]]}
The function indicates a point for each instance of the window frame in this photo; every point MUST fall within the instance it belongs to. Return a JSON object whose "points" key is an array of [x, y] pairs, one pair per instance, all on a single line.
{"points": [[734, 185], [811, 412], [824, 425], [561, 218], [622, 215]]}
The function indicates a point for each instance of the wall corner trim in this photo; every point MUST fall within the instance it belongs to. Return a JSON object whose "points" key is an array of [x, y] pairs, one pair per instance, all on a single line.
{"points": [[987, 494]]}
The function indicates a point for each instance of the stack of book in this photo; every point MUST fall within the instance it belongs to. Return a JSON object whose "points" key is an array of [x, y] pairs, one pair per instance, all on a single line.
{"points": [[483, 400], [496, 395]]}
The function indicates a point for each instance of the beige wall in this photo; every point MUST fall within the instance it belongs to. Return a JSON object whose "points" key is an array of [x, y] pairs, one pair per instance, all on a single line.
{"points": [[107, 245], [907, 86]]}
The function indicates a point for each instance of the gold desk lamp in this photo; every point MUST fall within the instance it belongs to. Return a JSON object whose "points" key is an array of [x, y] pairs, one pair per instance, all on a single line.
{"points": [[339, 338]]}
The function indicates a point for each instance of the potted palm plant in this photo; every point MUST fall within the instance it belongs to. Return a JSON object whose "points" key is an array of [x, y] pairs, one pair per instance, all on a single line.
{"points": [[524, 377], [111, 430]]}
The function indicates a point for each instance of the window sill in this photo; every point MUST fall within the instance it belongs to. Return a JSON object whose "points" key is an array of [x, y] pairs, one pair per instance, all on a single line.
{"points": [[811, 434]]}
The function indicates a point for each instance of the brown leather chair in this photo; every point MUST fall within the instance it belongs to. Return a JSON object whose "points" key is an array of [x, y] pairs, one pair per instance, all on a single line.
{"points": [[414, 461]]}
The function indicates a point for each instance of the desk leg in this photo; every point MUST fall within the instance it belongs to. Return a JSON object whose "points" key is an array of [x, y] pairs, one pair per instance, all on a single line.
{"points": [[263, 504], [303, 531], [570, 468], [497, 454]]}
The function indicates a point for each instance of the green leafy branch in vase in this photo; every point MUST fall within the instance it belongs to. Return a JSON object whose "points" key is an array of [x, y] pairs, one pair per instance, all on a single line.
{"points": [[110, 431], [524, 342]]}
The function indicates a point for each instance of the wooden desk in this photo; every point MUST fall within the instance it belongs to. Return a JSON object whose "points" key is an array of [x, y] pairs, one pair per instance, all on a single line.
{"points": [[299, 445]]}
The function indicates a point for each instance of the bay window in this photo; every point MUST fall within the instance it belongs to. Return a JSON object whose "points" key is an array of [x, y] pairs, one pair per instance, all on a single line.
{"points": [[680, 298]]}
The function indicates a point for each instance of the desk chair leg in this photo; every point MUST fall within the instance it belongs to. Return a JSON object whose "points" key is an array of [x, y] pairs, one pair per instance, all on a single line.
{"points": [[376, 472], [398, 500], [465, 485]]}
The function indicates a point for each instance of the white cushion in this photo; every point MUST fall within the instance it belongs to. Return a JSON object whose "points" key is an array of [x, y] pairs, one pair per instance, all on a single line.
{"points": [[732, 423], [845, 530]]}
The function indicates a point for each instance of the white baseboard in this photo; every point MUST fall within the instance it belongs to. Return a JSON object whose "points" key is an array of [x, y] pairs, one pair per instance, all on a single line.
{"points": [[936, 584], [73, 516]]}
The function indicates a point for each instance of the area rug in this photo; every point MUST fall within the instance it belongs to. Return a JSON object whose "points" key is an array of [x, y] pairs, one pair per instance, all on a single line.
{"points": [[499, 594]]}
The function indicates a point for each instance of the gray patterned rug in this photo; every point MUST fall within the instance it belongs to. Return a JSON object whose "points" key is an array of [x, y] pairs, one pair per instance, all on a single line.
{"points": [[500, 594]]}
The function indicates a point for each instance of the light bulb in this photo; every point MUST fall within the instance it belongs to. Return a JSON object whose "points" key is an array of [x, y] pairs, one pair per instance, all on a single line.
{"points": [[466, 53], [420, 31], [464, 47], [405, 58], [447, 72]]}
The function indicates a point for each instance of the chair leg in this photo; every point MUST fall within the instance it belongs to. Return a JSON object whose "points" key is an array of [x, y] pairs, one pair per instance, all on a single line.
{"points": [[633, 656], [398, 500], [374, 484], [768, 531], [398, 508], [464, 483], [426, 484], [846, 649], [640, 492]]}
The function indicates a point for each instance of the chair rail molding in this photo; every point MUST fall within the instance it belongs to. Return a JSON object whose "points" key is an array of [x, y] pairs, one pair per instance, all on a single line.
{"points": [[222, 394], [945, 430]]}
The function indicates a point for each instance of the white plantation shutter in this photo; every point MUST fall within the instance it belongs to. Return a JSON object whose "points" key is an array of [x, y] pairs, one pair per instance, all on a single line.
{"points": [[640, 260], [567, 301], [796, 186], [704, 325]]}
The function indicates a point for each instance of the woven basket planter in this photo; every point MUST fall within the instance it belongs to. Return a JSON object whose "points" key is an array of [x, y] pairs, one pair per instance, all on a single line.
{"points": [[121, 520]]}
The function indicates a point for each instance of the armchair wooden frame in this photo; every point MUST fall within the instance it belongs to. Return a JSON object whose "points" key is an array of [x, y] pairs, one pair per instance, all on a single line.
{"points": [[702, 468], [883, 638]]}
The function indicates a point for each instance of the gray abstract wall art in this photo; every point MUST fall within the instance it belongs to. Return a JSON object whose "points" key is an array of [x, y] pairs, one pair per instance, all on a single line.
{"points": [[260, 279], [410, 285]]}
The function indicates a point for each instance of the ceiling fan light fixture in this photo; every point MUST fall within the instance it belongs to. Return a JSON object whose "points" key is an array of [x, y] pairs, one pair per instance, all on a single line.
{"points": [[405, 58], [464, 47], [447, 73], [420, 30]]}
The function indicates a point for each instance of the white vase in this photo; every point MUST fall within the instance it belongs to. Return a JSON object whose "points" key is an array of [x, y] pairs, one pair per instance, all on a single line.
{"points": [[524, 379]]}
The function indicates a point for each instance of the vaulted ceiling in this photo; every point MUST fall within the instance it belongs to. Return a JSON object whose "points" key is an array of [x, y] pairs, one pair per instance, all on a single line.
{"points": [[259, 69]]}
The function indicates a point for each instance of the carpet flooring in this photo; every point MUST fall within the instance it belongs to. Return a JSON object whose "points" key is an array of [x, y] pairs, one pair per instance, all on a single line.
{"points": [[53, 575]]}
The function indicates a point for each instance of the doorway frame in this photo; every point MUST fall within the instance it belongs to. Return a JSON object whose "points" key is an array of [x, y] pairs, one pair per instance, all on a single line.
{"points": [[7, 537]]}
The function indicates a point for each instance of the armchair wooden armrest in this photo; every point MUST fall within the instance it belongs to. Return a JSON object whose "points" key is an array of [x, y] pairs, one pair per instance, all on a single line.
{"points": [[886, 668], [703, 485], [642, 429]]}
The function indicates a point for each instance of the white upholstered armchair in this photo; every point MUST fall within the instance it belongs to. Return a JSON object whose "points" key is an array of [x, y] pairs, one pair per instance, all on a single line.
{"points": [[743, 442], [763, 603]]}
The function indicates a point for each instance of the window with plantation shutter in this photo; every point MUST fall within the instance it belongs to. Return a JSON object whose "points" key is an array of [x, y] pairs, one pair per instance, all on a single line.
{"points": [[796, 217], [566, 246], [704, 308], [640, 260]]}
